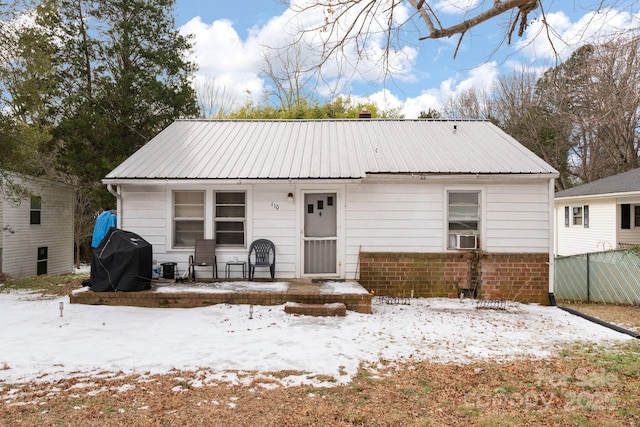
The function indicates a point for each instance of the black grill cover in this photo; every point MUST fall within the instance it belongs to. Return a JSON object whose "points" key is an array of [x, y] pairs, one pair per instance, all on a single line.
{"points": [[121, 262]]}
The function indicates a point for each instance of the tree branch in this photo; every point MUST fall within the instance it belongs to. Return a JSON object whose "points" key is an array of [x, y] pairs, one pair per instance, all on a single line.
{"points": [[499, 7]]}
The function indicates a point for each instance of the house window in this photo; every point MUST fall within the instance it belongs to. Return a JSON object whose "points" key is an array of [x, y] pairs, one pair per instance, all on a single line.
{"points": [[36, 209], [585, 216], [188, 218], [625, 216], [566, 216], [463, 219], [230, 218], [630, 214], [580, 216], [42, 260]]}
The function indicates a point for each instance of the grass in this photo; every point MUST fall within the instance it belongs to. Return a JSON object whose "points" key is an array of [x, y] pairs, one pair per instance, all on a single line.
{"points": [[582, 385], [626, 316], [47, 285], [587, 386]]}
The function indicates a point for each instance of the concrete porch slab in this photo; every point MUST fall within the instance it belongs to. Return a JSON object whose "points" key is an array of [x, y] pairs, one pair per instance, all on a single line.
{"points": [[168, 294]]}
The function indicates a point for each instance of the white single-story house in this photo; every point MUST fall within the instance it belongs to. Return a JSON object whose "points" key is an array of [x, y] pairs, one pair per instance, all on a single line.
{"points": [[599, 215], [407, 207], [37, 231]]}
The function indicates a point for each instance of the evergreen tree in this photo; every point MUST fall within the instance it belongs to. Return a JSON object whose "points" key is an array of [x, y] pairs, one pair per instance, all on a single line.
{"points": [[125, 77]]}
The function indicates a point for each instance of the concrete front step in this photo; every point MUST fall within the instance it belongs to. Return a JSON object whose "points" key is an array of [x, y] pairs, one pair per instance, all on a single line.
{"points": [[334, 309]]}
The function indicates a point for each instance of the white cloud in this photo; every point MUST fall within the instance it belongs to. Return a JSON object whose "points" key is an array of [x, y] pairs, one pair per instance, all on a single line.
{"points": [[222, 57], [237, 64], [564, 36], [292, 41], [480, 78]]}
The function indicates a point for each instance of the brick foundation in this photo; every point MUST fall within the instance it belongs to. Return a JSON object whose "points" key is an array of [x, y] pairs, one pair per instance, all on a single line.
{"points": [[336, 309], [522, 277]]}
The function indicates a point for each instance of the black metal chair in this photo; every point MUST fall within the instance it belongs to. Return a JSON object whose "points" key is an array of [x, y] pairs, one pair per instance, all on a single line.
{"points": [[262, 253], [205, 255]]}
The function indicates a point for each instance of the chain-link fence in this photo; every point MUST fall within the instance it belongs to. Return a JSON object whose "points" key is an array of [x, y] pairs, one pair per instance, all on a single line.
{"points": [[605, 277]]}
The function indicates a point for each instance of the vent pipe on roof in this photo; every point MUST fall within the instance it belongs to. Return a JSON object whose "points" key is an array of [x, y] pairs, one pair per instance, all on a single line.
{"points": [[364, 114]]}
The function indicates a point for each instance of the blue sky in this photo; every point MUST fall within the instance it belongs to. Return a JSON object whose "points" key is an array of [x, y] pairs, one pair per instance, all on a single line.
{"points": [[230, 40]]}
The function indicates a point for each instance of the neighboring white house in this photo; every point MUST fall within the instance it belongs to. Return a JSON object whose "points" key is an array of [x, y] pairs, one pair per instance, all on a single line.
{"points": [[37, 232], [339, 198], [599, 215]]}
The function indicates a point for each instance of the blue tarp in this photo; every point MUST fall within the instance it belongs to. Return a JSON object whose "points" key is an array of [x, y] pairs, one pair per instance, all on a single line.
{"points": [[105, 220]]}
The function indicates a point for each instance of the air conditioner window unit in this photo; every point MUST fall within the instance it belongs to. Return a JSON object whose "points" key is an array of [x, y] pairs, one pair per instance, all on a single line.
{"points": [[464, 241]]}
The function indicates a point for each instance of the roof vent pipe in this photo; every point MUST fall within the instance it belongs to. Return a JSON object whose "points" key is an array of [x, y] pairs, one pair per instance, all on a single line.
{"points": [[364, 114]]}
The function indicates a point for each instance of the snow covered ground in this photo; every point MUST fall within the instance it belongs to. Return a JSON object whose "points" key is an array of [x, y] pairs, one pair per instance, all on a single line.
{"points": [[38, 341]]}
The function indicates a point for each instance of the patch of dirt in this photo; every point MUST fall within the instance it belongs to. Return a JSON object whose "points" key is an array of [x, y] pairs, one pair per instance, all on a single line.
{"points": [[578, 387], [626, 316]]}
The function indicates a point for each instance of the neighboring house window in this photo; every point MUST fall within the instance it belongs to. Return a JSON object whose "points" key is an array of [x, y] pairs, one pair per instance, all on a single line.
{"points": [[463, 219], [42, 260], [585, 216], [188, 217], [580, 216], [36, 209], [230, 218], [625, 216], [566, 216]]}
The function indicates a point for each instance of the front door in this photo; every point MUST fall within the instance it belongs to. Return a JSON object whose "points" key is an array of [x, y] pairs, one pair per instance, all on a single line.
{"points": [[320, 233]]}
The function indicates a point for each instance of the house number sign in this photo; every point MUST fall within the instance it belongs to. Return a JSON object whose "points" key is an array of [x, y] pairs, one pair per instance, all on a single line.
{"points": [[275, 206]]}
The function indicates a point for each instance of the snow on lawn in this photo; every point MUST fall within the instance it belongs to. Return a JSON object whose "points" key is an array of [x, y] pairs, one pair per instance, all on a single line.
{"points": [[37, 343]]}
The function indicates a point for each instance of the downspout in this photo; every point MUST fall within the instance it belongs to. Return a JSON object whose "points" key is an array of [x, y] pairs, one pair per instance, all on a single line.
{"points": [[552, 298], [116, 194]]}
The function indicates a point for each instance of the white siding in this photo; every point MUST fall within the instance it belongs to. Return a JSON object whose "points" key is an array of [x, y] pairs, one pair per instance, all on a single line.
{"points": [[517, 218], [401, 215], [21, 240], [274, 218], [144, 212], [600, 235]]}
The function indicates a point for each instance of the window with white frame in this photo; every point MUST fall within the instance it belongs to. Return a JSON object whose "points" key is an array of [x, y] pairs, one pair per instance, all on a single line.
{"points": [[188, 217], [629, 216], [576, 214], [463, 219], [230, 218], [35, 212], [580, 216]]}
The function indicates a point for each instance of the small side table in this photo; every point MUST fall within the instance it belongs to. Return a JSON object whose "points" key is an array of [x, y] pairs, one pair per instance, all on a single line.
{"points": [[229, 264]]}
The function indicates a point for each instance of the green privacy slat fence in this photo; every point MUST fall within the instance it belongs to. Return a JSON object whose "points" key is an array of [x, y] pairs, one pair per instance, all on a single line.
{"points": [[605, 277]]}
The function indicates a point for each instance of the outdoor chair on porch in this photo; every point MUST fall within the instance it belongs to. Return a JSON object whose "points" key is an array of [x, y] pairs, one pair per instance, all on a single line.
{"points": [[204, 256], [262, 253]]}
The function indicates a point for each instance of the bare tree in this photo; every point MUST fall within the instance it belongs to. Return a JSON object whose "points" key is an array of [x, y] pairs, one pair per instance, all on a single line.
{"points": [[582, 117], [289, 76], [470, 104], [597, 93], [521, 112], [355, 25], [358, 21], [83, 223], [214, 98]]}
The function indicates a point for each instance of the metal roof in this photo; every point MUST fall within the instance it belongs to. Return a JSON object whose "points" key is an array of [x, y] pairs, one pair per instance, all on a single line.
{"points": [[625, 182], [340, 149]]}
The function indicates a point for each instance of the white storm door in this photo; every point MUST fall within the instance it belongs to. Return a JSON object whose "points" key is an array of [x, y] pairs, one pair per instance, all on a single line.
{"points": [[320, 233]]}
